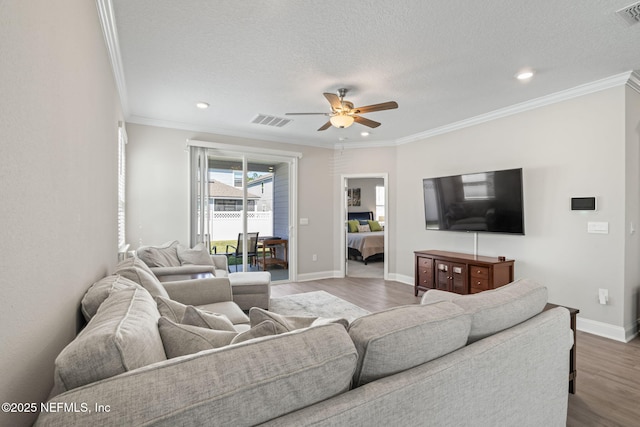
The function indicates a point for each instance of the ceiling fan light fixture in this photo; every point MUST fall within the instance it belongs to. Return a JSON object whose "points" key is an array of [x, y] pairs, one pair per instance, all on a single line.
{"points": [[341, 120]]}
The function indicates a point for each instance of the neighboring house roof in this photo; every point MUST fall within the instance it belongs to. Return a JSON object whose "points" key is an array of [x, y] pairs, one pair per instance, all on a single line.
{"points": [[259, 180], [218, 190]]}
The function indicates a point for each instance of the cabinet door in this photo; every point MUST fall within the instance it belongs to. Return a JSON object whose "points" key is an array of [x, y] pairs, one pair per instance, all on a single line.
{"points": [[442, 275], [425, 272], [459, 278]]}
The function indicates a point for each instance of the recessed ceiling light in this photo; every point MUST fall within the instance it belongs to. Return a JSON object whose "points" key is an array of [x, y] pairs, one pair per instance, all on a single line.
{"points": [[524, 75], [365, 133], [202, 105]]}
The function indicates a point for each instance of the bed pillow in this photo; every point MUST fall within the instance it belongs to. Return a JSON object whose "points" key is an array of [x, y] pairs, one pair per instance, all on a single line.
{"points": [[375, 226], [353, 225], [363, 221], [364, 229]]}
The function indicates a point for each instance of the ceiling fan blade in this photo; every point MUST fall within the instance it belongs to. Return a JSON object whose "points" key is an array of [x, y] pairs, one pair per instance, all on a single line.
{"points": [[305, 114], [325, 126], [333, 100], [377, 107], [366, 122]]}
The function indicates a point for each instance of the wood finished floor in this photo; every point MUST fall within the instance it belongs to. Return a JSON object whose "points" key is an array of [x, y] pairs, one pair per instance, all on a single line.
{"points": [[608, 381]]}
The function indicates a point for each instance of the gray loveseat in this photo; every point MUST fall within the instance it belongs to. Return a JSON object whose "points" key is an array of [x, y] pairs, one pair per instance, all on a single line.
{"points": [[250, 289], [489, 359]]}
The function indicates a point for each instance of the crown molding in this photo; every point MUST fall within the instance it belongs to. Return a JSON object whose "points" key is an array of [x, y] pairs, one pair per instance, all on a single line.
{"points": [[629, 78], [108, 23], [634, 81]]}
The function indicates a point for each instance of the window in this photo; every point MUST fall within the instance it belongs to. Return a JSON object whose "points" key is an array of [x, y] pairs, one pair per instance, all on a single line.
{"points": [[478, 186], [379, 203], [122, 142]]}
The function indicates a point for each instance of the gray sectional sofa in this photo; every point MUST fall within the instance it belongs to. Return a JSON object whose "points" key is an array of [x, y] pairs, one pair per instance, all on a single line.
{"points": [[489, 359]]}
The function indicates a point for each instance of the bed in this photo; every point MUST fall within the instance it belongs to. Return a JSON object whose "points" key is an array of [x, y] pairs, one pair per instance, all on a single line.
{"points": [[365, 246]]}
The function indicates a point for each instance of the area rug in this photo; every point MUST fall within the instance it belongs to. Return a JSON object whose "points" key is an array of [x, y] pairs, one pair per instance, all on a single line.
{"points": [[317, 303]]}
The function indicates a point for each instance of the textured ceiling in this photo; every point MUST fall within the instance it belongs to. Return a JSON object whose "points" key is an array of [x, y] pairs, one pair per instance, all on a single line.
{"points": [[443, 61]]}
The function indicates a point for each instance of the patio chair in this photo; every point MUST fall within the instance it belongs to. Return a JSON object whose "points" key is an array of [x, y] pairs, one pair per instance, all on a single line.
{"points": [[237, 252]]}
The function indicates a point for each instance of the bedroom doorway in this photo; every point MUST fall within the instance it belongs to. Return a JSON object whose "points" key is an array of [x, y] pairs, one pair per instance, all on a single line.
{"points": [[364, 213]]}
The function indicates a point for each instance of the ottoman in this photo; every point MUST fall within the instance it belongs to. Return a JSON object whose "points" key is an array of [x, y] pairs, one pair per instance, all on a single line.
{"points": [[251, 289]]}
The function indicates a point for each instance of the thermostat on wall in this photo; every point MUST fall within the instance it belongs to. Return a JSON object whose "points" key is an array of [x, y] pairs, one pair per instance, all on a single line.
{"points": [[583, 203]]}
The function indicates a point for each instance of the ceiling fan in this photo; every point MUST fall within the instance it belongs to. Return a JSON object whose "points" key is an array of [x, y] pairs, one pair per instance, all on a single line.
{"points": [[343, 114]]}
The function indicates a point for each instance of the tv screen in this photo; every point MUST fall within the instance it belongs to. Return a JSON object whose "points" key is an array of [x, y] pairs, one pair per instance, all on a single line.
{"points": [[485, 201]]}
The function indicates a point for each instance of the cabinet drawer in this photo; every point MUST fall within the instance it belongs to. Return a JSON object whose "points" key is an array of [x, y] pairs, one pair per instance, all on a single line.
{"points": [[479, 284], [479, 272], [424, 263]]}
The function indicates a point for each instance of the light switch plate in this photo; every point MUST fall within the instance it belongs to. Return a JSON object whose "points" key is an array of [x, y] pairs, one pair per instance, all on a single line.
{"points": [[304, 221], [598, 227]]}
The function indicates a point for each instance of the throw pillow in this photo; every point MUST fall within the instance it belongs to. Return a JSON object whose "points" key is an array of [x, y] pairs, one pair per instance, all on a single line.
{"points": [[290, 323], [204, 319], [165, 255], [262, 329], [353, 225], [198, 255], [100, 290], [363, 229], [122, 336], [171, 309], [179, 340], [135, 269], [375, 226]]}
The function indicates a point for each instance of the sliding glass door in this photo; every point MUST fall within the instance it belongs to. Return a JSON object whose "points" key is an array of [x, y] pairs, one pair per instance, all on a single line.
{"points": [[236, 197]]}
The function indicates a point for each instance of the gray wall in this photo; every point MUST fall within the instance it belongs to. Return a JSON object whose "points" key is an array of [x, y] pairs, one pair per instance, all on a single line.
{"points": [[585, 146], [59, 112]]}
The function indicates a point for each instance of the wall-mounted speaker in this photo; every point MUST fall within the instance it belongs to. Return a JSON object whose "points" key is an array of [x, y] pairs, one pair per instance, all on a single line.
{"points": [[583, 203]]}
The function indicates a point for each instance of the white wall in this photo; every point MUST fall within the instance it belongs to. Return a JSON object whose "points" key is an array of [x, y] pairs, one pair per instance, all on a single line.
{"points": [[632, 248], [59, 112], [367, 188], [570, 149]]}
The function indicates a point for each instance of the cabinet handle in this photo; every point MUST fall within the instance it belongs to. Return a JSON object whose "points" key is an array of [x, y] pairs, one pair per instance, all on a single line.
{"points": [[478, 271], [479, 283]]}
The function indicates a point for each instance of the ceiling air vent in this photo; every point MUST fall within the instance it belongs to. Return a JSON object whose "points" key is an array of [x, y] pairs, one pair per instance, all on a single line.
{"points": [[263, 119], [631, 13]]}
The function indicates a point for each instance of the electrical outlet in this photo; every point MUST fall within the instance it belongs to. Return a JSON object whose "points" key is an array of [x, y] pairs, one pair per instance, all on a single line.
{"points": [[314, 257], [603, 296]]}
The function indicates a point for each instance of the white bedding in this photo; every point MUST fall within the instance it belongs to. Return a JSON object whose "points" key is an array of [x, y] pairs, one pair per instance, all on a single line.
{"points": [[368, 243]]}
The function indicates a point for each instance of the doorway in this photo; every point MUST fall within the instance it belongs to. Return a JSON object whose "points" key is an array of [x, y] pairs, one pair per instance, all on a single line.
{"points": [[236, 196], [364, 225]]}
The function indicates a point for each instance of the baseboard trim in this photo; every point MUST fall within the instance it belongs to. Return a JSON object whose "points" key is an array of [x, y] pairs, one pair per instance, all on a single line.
{"points": [[402, 278], [318, 275], [606, 330]]}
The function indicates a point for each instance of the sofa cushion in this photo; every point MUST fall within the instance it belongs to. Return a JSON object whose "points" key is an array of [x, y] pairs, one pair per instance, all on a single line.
{"points": [[289, 323], [498, 309], [204, 319], [198, 255], [179, 339], [165, 255], [100, 290], [135, 269], [123, 335], [400, 338]]}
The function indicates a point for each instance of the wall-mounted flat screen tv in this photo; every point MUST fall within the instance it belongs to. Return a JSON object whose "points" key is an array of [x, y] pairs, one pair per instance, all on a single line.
{"points": [[485, 201]]}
